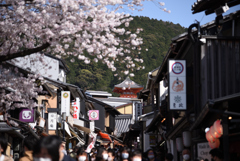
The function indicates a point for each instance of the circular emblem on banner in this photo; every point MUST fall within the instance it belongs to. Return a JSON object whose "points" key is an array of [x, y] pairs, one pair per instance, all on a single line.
{"points": [[65, 95], [93, 114], [177, 68]]}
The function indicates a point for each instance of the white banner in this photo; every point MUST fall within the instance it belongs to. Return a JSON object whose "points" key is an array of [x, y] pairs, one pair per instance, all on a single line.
{"points": [[92, 137], [65, 102], [52, 121], [177, 84], [67, 129], [76, 106], [92, 126]]}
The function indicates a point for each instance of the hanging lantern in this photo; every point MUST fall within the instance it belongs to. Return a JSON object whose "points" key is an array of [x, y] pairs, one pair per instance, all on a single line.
{"points": [[179, 144], [209, 137], [187, 138], [214, 133], [217, 126], [214, 144]]}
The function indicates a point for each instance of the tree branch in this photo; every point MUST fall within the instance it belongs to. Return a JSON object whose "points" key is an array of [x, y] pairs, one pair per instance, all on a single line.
{"points": [[23, 53], [5, 5]]}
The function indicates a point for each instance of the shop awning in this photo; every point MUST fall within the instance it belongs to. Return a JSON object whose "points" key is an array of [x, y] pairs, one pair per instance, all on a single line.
{"points": [[79, 124], [122, 123], [4, 127], [177, 127], [75, 135], [105, 136], [116, 139], [153, 125]]}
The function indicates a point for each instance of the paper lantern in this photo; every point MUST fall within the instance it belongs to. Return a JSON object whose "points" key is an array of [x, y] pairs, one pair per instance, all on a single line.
{"points": [[209, 137], [214, 144], [217, 126], [187, 138], [179, 144], [214, 133]]}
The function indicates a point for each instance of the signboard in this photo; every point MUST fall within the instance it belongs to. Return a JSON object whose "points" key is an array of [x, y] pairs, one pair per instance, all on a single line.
{"points": [[92, 126], [138, 107], [92, 140], [76, 106], [52, 121], [26, 115], [203, 151], [152, 140], [65, 102], [93, 114], [163, 91], [177, 84], [41, 122]]}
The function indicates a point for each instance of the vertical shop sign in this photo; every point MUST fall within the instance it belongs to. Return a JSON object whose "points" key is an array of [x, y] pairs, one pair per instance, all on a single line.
{"points": [[65, 102], [177, 84], [76, 106], [52, 121]]}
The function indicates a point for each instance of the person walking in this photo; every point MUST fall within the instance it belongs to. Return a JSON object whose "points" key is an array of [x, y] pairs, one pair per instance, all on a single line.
{"points": [[50, 149], [102, 154], [216, 154], [151, 155], [136, 155], [111, 155], [169, 157], [82, 155], [3, 147], [124, 154], [28, 144], [186, 155]]}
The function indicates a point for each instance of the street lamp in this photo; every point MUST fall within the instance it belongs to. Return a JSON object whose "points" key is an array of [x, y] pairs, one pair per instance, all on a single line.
{"points": [[63, 122]]}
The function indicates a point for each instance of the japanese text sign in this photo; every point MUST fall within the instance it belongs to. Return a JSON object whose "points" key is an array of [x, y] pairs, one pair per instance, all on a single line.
{"points": [[52, 121], [76, 106], [177, 84], [65, 102]]}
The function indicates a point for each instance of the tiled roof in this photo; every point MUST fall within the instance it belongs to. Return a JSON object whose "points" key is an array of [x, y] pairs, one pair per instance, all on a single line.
{"points": [[128, 82]]}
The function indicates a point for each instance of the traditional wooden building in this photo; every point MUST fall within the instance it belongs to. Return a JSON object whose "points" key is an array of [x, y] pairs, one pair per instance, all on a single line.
{"points": [[212, 55], [128, 88]]}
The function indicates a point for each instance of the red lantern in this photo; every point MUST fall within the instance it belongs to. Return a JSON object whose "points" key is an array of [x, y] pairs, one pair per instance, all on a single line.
{"points": [[217, 126], [209, 137], [214, 133], [214, 144]]}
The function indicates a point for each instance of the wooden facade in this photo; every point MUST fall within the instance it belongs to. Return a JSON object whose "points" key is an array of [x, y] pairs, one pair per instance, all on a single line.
{"points": [[213, 87]]}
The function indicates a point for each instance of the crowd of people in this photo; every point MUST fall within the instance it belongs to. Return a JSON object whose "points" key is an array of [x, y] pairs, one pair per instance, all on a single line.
{"points": [[51, 148]]}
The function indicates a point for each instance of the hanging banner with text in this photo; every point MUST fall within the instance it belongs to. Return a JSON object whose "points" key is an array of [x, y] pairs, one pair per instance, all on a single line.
{"points": [[76, 106], [177, 84], [52, 121], [65, 102]]}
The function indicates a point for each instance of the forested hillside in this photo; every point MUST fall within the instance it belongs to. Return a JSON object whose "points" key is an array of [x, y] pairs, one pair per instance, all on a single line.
{"points": [[156, 36]]}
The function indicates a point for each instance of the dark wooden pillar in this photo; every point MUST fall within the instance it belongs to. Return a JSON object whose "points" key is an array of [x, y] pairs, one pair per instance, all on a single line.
{"points": [[152, 96], [196, 76], [225, 138]]}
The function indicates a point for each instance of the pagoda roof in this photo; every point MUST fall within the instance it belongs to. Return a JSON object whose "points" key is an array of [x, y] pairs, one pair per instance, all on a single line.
{"points": [[128, 82]]}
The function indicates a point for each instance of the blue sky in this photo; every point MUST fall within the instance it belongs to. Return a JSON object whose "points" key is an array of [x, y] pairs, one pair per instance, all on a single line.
{"points": [[180, 12]]}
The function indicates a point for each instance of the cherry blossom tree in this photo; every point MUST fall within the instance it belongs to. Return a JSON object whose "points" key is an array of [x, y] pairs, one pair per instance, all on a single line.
{"points": [[85, 29]]}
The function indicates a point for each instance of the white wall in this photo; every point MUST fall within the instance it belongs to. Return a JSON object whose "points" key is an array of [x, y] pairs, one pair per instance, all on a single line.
{"points": [[40, 64]]}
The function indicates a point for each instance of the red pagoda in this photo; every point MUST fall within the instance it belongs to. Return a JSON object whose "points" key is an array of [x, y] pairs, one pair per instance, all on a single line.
{"points": [[128, 88]]}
